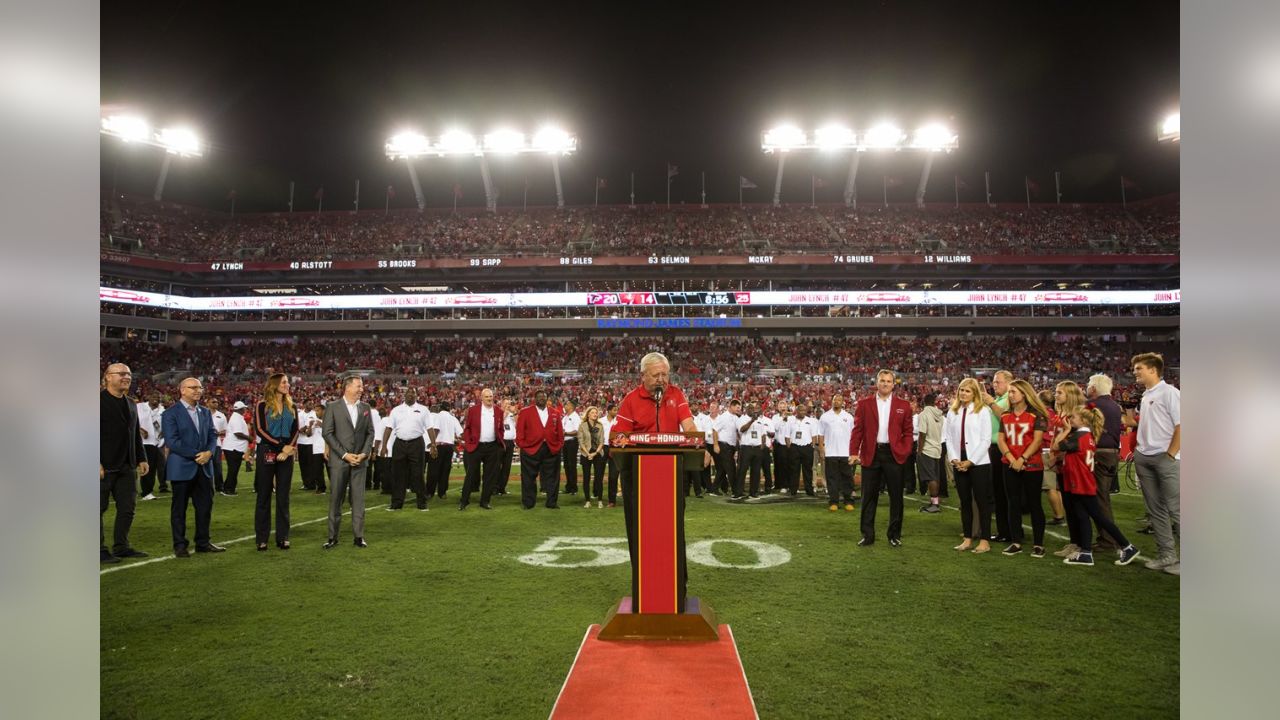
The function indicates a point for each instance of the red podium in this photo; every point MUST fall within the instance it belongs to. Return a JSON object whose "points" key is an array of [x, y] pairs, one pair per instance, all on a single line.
{"points": [[652, 468]]}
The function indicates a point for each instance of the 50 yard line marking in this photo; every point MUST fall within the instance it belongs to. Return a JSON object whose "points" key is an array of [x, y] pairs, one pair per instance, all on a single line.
{"points": [[162, 558]]}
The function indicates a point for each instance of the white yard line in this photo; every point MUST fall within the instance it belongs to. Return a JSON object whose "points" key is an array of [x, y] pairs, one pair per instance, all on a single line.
{"points": [[170, 556]]}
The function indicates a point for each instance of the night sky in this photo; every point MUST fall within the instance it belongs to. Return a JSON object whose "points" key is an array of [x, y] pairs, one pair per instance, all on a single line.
{"points": [[310, 92]]}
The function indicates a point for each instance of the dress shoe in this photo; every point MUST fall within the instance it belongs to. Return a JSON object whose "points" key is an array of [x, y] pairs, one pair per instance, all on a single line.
{"points": [[895, 542], [553, 507], [129, 552], [107, 558], [330, 544], [360, 543], [210, 548], [283, 545], [182, 552], [486, 506], [462, 507]]}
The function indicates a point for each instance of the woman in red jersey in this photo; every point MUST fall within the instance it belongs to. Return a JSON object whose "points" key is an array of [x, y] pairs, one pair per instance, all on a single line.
{"points": [[1022, 431], [1076, 443]]}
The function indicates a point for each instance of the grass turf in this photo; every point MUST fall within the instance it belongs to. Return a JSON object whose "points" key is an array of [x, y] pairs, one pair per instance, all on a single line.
{"points": [[438, 619]]}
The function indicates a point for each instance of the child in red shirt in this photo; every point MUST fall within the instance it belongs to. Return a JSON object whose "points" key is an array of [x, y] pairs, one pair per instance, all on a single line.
{"points": [[1076, 443]]}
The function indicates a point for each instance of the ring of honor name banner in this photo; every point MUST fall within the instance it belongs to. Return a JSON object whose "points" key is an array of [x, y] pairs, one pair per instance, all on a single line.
{"points": [[652, 469]]}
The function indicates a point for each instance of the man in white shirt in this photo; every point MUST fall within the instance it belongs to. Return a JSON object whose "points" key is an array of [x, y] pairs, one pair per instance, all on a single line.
{"points": [[234, 445], [800, 433], [509, 444], [701, 479], [781, 419], [834, 430], [308, 460], [150, 433], [1157, 456], [409, 424], [753, 430], [371, 475], [384, 471], [724, 431], [607, 420], [444, 438], [219, 430], [713, 412], [569, 453]]}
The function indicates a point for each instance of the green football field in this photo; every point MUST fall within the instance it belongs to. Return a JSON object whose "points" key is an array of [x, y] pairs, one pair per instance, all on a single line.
{"points": [[478, 614]]}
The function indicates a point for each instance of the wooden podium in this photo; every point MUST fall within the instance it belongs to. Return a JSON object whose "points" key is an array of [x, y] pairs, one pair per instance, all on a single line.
{"points": [[652, 467]]}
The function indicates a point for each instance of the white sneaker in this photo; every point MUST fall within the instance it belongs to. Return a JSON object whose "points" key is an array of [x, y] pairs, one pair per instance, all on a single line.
{"points": [[148, 496], [599, 503], [1160, 563], [587, 504], [1068, 551], [1174, 569]]}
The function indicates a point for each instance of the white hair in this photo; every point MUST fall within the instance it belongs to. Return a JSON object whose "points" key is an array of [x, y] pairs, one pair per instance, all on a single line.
{"points": [[653, 358], [1101, 383]]}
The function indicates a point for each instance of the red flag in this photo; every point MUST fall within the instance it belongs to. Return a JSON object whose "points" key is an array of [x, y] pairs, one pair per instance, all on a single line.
{"points": [[601, 183], [320, 194], [391, 191], [457, 191]]}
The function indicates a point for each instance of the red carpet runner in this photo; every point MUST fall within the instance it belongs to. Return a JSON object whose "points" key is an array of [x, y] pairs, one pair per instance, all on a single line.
{"points": [[659, 680]]}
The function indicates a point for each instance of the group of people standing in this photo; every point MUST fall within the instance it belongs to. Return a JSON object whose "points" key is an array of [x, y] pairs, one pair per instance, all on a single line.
{"points": [[1002, 450]]}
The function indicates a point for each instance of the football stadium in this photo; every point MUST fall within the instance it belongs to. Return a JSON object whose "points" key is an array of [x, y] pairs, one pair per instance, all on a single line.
{"points": [[676, 400]]}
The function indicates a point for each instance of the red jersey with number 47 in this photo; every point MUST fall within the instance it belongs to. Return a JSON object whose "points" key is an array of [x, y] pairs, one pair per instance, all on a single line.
{"points": [[1019, 430], [1077, 464]]}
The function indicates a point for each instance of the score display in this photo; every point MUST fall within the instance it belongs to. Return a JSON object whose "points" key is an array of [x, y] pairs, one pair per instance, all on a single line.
{"points": [[702, 297]]}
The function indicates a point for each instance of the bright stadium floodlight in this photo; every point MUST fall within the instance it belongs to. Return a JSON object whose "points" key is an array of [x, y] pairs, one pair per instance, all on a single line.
{"points": [[1171, 128], [457, 142], [179, 141], [934, 137], [784, 138], [555, 141], [129, 128], [504, 142], [884, 136], [407, 144], [834, 137]]}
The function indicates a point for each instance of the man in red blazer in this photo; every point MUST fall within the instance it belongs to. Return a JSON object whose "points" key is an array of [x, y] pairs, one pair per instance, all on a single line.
{"points": [[482, 449], [540, 437], [881, 438]]}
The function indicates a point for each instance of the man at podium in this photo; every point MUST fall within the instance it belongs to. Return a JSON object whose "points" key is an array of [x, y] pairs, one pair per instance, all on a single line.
{"points": [[655, 406]]}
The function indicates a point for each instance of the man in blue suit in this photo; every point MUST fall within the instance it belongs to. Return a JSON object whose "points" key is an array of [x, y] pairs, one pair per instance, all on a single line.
{"points": [[190, 437]]}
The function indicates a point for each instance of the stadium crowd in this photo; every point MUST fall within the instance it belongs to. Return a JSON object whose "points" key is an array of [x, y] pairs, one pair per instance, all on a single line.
{"points": [[180, 232]]}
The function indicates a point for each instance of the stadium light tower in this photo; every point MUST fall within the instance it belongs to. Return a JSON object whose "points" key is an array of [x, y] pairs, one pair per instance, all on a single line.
{"points": [[1171, 128], [550, 140], [885, 136], [409, 145], [179, 141]]}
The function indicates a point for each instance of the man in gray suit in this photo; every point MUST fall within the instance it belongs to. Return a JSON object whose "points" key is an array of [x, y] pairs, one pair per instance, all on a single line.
{"points": [[348, 435]]}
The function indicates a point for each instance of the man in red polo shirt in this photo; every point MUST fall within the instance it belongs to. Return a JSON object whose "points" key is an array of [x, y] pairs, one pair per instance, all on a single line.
{"points": [[639, 411], [655, 406]]}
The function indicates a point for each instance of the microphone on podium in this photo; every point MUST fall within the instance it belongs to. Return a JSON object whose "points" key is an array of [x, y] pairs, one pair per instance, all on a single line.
{"points": [[657, 408]]}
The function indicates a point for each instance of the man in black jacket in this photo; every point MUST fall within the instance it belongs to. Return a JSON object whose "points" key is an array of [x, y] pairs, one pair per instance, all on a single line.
{"points": [[120, 456]]}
